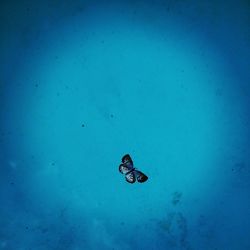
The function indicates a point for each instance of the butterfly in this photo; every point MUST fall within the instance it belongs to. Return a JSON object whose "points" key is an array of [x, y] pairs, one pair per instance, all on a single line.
{"points": [[131, 174]]}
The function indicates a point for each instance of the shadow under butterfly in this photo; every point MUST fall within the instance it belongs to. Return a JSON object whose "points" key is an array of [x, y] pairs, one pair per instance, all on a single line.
{"points": [[131, 174]]}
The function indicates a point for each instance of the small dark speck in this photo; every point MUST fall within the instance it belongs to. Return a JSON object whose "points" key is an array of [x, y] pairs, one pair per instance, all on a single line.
{"points": [[12, 183], [36, 85], [53, 164], [112, 116], [83, 125], [27, 227]]}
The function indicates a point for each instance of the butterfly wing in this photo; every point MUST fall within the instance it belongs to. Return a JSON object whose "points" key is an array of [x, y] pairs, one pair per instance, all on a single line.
{"points": [[140, 176], [127, 168], [123, 168], [127, 159], [127, 162], [130, 177]]}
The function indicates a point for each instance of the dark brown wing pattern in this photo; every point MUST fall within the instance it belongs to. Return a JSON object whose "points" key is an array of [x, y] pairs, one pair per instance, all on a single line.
{"points": [[140, 176]]}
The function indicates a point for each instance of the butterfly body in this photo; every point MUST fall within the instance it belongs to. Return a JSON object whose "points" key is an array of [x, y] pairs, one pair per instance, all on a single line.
{"points": [[131, 173]]}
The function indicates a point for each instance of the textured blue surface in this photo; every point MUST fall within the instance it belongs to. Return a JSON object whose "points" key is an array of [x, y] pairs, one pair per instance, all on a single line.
{"points": [[83, 83]]}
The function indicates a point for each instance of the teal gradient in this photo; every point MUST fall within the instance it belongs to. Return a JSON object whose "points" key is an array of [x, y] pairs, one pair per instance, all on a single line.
{"points": [[84, 83]]}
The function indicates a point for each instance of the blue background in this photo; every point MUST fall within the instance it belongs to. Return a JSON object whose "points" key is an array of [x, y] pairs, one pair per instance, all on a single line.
{"points": [[84, 82]]}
